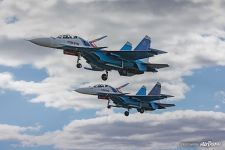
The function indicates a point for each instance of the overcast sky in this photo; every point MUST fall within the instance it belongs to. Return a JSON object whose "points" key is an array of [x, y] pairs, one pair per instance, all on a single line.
{"points": [[39, 109]]}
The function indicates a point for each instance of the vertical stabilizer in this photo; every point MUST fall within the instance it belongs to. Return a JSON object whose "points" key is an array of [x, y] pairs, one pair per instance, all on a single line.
{"points": [[141, 91], [126, 47], [144, 45], [156, 90]]}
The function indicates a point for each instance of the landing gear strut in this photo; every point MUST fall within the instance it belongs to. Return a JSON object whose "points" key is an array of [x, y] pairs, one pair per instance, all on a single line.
{"points": [[105, 76], [108, 106], [78, 63]]}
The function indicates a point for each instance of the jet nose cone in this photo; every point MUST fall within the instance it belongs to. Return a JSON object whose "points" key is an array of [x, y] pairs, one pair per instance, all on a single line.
{"points": [[78, 90], [47, 42], [82, 90]]}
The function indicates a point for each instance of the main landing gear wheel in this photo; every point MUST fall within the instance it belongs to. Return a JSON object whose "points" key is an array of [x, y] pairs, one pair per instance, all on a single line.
{"points": [[142, 110], [79, 65], [105, 76], [126, 113]]}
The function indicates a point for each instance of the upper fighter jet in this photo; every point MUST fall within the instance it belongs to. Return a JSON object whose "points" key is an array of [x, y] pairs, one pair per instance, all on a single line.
{"points": [[126, 61], [140, 101]]}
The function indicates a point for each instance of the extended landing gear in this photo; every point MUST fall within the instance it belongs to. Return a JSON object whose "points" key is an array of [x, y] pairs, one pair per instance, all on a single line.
{"points": [[141, 110], [105, 76], [78, 63], [126, 113], [108, 106]]}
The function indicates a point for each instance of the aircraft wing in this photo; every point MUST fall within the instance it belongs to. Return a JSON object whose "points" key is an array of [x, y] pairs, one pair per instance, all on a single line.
{"points": [[149, 97], [82, 48], [94, 68], [129, 55], [111, 94]]}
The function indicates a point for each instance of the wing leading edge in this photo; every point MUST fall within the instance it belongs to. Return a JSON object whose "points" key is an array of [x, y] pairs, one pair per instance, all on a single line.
{"points": [[149, 97]]}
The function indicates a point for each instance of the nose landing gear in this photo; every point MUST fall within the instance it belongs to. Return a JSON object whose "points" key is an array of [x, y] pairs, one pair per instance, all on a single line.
{"points": [[105, 76], [78, 63], [109, 106]]}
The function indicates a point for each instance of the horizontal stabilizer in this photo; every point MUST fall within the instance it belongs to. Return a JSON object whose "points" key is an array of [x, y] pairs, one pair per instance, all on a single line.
{"points": [[165, 105], [156, 66], [156, 51], [166, 96], [160, 105]]}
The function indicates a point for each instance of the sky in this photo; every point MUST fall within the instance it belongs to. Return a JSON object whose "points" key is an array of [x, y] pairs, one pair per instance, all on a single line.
{"points": [[40, 110]]}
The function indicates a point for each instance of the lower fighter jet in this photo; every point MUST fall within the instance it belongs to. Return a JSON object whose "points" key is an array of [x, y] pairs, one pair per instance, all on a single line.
{"points": [[126, 61], [140, 101]]}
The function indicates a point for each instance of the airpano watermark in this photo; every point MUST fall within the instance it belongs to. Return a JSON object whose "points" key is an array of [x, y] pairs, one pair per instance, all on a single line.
{"points": [[203, 143]]}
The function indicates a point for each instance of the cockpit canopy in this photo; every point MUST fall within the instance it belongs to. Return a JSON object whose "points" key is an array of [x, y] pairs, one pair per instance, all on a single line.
{"points": [[101, 85], [67, 36]]}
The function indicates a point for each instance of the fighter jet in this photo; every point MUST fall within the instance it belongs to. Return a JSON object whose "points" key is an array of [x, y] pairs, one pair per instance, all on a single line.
{"points": [[126, 61], [140, 101]]}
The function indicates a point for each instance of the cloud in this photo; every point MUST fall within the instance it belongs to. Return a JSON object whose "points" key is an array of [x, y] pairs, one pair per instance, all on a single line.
{"points": [[147, 131], [17, 52], [105, 112], [192, 38], [50, 92], [16, 133], [191, 31]]}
